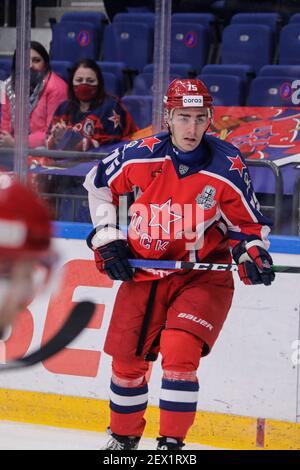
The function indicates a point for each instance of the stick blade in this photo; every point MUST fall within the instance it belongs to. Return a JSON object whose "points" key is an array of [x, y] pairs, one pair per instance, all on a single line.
{"points": [[78, 319]]}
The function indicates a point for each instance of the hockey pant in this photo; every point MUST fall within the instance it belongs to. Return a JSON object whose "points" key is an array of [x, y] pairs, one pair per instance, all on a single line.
{"points": [[181, 352]]}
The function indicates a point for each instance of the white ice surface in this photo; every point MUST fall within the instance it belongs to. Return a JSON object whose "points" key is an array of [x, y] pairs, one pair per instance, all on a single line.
{"points": [[20, 436]]}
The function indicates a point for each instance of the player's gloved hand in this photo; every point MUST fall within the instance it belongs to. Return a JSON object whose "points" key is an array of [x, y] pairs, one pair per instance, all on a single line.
{"points": [[113, 259], [254, 262]]}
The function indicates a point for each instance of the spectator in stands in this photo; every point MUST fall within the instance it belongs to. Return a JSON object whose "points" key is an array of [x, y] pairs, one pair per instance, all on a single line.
{"points": [[47, 91], [90, 117]]}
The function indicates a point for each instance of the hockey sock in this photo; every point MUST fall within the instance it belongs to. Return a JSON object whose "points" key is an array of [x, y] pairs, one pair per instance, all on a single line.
{"points": [[178, 405], [128, 405]]}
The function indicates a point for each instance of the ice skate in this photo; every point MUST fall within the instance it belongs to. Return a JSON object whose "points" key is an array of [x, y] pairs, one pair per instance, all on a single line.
{"points": [[169, 443], [117, 442]]}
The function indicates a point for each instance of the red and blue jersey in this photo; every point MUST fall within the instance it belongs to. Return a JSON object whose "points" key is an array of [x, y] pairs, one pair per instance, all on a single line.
{"points": [[190, 206], [104, 123]]}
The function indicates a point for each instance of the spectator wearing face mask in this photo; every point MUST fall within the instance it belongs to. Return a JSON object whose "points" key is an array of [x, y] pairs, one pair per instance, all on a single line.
{"points": [[90, 117], [47, 91]]}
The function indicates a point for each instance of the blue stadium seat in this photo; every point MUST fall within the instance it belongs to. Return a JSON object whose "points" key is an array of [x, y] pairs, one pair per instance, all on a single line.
{"points": [[247, 44], [98, 19], [73, 41], [289, 44], [143, 83], [292, 71], [117, 68], [205, 19], [226, 90], [295, 18], [180, 70], [273, 20], [112, 84], [245, 72], [140, 107], [62, 68], [270, 91], [5, 65], [131, 43], [142, 18], [94, 17], [189, 44]]}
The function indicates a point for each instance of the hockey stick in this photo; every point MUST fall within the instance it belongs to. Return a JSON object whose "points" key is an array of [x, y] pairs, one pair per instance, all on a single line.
{"points": [[164, 264], [78, 319]]}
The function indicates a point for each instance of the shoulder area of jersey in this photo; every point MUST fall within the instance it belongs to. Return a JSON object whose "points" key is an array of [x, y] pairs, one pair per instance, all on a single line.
{"points": [[218, 145], [146, 147], [227, 160]]}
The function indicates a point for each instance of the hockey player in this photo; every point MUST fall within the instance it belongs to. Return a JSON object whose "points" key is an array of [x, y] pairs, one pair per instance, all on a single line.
{"points": [[25, 257], [196, 199]]}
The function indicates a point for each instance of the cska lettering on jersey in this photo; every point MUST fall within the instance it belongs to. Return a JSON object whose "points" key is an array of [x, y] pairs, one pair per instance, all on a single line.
{"points": [[197, 209]]}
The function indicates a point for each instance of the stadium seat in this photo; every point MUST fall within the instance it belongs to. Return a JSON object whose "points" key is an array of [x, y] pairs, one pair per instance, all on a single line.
{"points": [[247, 44], [116, 68], [73, 41], [289, 44], [142, 18], [189, 44], [98, 19], [62, 68], [205, 19], [131, 43], [245, 72], [112, 84], [140, 107], [292, 71], [270, 91], [5, 65], [143, 83], [180, 70], [94, 17], [226, 90], [273, 20], [295, 18]]}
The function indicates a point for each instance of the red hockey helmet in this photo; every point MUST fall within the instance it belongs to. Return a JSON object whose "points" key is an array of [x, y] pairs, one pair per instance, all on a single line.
{"points": [[187, 92], [25, 227]]}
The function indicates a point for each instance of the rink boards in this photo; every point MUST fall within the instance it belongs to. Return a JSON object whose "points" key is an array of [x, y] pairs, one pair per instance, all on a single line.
{"points": [[249, 385]]}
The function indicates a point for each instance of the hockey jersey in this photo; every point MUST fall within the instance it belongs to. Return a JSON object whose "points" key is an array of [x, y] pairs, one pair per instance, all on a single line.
{"points": [[107, 122], [186, 209]]}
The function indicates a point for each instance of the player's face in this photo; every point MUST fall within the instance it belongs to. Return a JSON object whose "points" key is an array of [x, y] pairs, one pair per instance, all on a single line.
{"points": [[37, 62], [187, 127], [86, 76]]}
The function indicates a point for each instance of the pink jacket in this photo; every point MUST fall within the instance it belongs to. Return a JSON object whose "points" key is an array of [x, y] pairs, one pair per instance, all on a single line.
{"points": [[53, 94]]}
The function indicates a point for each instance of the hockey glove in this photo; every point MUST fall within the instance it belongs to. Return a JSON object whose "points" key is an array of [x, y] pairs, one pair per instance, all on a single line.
{"points": [[254, 262], [113, 259]]}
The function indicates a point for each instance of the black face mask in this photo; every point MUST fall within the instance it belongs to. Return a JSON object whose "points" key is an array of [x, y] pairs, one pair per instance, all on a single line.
{"points": [[35, 78]]}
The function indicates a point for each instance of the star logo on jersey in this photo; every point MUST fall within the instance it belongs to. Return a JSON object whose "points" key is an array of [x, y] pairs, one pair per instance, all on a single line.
{"points": [[116, 119], [162, 216], [237, 164], [149, 142]]}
